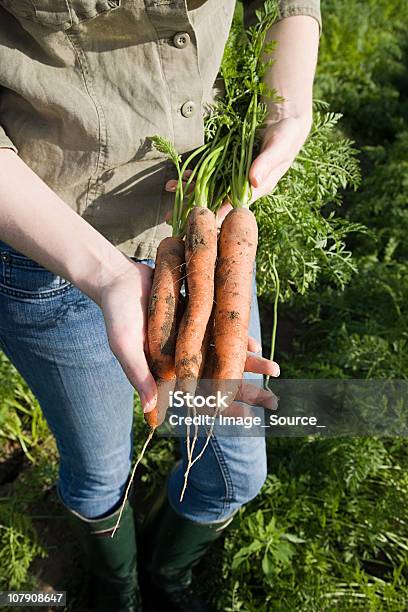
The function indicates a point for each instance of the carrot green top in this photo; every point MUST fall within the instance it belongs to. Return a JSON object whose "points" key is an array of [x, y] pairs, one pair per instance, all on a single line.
{"points": [[84, 83]]}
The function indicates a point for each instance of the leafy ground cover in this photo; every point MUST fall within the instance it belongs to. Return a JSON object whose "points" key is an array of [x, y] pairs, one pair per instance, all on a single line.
{"points": [[329, 530]]}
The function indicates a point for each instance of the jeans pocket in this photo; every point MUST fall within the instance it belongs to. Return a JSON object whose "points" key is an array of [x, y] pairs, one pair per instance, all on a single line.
{"points": [[23, 278]]}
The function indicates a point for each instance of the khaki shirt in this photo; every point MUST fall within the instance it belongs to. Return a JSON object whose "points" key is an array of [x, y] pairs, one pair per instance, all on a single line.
{"points": [[84, 83]]}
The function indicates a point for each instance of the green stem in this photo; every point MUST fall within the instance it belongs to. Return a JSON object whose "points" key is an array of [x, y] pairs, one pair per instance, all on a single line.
{"points": [[178, 203], [275, 314], [214, 200], [241, 190], [247, 191], [234, 177], [178, 209], [207, 168], [242, 165], [192, 156], [326, 164], [252, 136]]}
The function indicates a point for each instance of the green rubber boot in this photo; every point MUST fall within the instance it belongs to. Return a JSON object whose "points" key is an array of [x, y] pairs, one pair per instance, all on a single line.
{"points": [[111, 562], [172, 546]]}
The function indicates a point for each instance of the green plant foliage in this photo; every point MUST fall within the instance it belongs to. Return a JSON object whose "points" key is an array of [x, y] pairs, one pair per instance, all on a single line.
{"points": [[326, 533], [362, 65], [386, 189], [363, 330], [21, 418], [298, 222], [18, 546]]}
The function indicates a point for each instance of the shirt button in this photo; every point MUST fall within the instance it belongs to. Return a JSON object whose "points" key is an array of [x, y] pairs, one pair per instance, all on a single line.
{"points": [[187, 109], [5, 257], [181, 40]]}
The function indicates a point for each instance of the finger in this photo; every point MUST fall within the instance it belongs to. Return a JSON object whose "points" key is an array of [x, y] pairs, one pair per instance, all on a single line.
{"points": [[171, 185], [264, 399], [260, 365], [269, 183], [134, 364], [223, 212], [281, 143], [256, 396], [253, 345], [142, 379], [186, 175], [270, 158]]}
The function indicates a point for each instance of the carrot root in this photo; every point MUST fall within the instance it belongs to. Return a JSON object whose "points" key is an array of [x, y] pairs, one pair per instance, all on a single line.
{"points": [[233, 293], [138, 460], [162, 321], [200, 256]]}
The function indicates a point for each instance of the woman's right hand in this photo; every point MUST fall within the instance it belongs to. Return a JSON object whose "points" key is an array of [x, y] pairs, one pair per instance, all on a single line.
{"points": [[124, 302]]}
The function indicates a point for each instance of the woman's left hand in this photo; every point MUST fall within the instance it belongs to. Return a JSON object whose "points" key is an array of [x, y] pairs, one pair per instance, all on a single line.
{"points": [[282, 141]]}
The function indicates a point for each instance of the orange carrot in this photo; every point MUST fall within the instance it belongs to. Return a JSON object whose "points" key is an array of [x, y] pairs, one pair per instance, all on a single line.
{"points": [[200, 256], [233, 291], [162, 321], [207, 349]]}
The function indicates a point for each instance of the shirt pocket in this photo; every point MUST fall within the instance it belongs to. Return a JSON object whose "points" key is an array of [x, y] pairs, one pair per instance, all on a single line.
{"points": [[25, 279], [58, 14]]}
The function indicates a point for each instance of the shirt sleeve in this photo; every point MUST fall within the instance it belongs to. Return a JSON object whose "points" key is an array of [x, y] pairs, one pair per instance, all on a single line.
{"points": [[287, 8], [5, 142]]}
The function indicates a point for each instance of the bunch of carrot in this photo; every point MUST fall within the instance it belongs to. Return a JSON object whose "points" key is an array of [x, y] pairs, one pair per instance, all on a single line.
{"points": [[208, 335], [212, 331]]}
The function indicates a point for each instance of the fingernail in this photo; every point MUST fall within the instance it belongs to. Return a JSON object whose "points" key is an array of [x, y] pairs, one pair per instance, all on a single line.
{"points": [[148, 406], [257, 180], [274, 403], [277, 370]]}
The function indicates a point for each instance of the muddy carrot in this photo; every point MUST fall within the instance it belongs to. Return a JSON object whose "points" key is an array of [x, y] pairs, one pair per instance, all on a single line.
{"points": [[162, 318], [200, 256], [233, 292]]}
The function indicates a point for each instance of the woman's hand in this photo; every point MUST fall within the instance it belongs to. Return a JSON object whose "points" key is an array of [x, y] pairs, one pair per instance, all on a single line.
{"points": [[124, 302], [282, 141]]}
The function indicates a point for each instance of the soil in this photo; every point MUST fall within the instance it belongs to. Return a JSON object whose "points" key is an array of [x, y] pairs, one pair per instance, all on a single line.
{"points": [[12, 461]]}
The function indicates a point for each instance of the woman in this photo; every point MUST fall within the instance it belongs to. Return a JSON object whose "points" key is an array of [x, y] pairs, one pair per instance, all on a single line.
{"points": [[84, 83]]}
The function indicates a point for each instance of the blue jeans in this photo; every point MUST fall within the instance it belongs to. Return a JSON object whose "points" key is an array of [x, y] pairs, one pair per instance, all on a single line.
{"points": [[56, 338]]}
